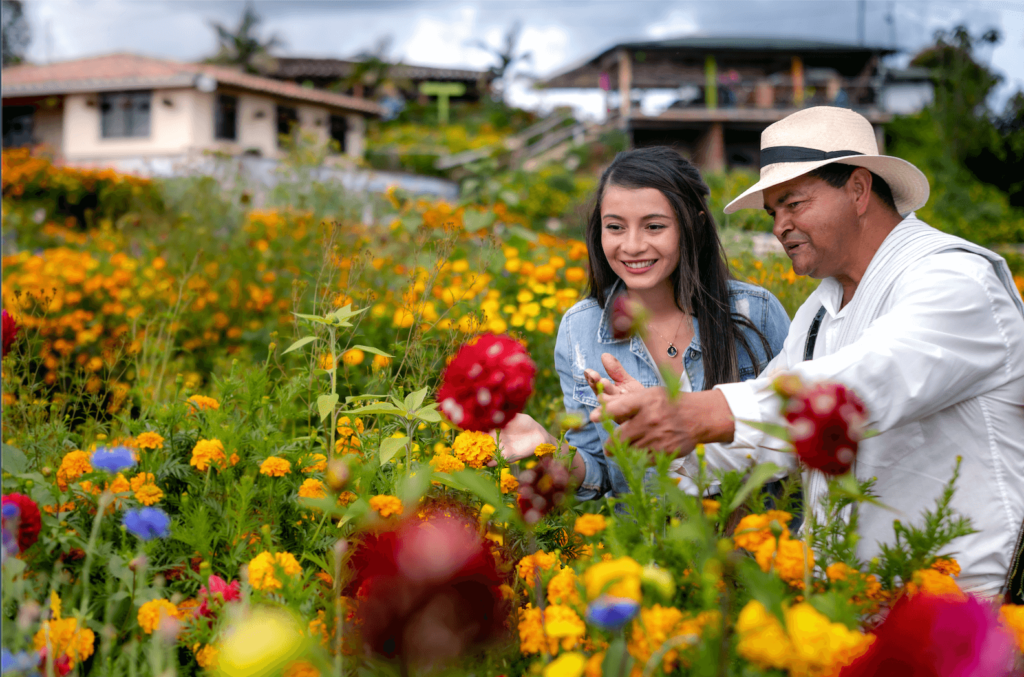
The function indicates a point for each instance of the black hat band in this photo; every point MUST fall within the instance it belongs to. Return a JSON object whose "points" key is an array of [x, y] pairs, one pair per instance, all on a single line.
{"points": [[777, 154]]}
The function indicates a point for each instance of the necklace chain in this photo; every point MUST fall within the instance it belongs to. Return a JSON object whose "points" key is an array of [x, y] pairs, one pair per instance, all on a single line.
{"points": [[672, 351]]}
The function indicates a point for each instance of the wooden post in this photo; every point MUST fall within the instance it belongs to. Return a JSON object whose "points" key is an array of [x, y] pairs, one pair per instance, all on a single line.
{"points": [[625, 84], [798, 82], [711, 149], [442, 90], [710, 82]]}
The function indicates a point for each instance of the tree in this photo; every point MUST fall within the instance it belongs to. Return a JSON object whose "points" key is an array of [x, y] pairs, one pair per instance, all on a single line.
{"points": [[16, 34], [243, 47], [506, 55]]}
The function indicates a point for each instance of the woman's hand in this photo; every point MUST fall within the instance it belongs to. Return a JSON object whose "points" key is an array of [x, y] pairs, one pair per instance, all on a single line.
{"points": [[621, 382], [520, 437]]}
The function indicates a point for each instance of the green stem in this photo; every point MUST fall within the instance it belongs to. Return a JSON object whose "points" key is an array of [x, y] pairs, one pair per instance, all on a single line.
{"points": [[105, 500], [334, 391]]}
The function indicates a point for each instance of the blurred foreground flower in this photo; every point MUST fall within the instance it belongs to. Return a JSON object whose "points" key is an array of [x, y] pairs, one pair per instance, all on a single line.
{"points": [[23, 522], [9, 331], [937, 635], [260, 644], [541, 488], [612, 613], [826, 425], [629, 318], [429, 590], [147, 523], [487, 383], [112, 459]]}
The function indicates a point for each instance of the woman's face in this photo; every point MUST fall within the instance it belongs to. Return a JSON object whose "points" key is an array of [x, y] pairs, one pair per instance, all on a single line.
{"points": [[639, 236]]}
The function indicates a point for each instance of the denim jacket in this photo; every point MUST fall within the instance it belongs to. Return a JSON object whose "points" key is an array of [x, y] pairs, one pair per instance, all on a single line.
{"points": [[585, 333]]}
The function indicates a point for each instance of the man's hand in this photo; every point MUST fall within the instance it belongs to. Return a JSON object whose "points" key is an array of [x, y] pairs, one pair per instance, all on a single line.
{"points": [[520, 437], [621, 382], [649, 420]]}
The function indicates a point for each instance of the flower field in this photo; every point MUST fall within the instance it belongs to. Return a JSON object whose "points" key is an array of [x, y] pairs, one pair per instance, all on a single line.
{"points": [[232, 445]]}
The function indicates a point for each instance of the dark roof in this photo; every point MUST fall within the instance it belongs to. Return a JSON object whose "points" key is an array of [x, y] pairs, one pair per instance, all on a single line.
{"points": [[298, 68], [751, 44], [114, 72]]}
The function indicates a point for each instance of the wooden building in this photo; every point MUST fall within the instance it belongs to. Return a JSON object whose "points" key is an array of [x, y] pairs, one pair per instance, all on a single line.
{"points": [[728, 89]]}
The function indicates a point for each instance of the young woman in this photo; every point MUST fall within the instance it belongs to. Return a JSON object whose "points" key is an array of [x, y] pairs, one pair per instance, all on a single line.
{"points": [[652, 238]]}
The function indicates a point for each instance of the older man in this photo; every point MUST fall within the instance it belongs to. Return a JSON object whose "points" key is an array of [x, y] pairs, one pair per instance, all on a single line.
{"points": [[927, 328]]}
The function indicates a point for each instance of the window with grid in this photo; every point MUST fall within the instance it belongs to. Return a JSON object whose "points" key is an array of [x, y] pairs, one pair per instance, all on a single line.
{"points": [[125, 114]]}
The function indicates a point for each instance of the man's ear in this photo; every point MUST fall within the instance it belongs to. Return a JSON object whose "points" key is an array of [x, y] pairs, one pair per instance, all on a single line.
{"points": [[859, 188]]}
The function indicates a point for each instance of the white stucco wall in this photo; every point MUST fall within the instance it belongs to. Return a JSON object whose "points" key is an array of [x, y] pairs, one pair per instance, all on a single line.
{"points": [[315, 120], [257, 124], [355, 136], [48, 126]]}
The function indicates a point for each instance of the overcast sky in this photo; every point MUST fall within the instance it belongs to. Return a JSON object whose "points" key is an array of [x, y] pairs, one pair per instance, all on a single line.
{"points": [[558, 33]]}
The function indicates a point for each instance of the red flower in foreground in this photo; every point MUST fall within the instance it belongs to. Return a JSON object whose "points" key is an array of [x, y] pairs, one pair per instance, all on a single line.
{"points": [[826, 424], [487, 383], [9, 331], [27, 519], [219, 592], [541, 488], [937, 636], [429, 590], [628, 318]]}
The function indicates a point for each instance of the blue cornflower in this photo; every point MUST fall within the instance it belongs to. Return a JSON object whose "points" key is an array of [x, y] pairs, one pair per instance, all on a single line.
{"points": [[148, 523], [23, 661], [611, 613], [112, 459]]}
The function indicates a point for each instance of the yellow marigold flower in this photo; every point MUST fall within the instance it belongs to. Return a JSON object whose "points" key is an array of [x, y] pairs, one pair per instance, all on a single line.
{"points": [[72, 466], [787, 560], [446, 463], [821, 647], [931, 582], [152, 614], [575, 274], [546, 325], [657, 625], [207, 452], [353, 357], [201, 402], [590, 524], [562, 623], [1012, 616], [474, 448], [346, 497], [947, 565], [149, 494], [347, 441], [142, 479], [567, 665], [263, 569], [150, 440], [206, 657], [544, 449], [275, 466], [563, 589], [528, 565], [762, 640], [594, 665], [532, 638], [509, 483], [312, 488], [753, 530], [66, 639], [617, 577], [711, 507], [838, 571], [301, 669], [317, 463], [386, 506], [120, 485]]}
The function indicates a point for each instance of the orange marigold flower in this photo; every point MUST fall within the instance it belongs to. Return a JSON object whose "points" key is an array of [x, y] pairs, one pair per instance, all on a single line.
{"points": [[346, 497], [932, 582], [787, 557], [446, 463], [1012, 616], [275, 466], [149, 494], [753, 530], [590, 524], [316, 463], [544, 449], [263, 569], [201, 402], [207, 452], [206, 657], [386, 505], [509, 483], [149, 440], [72, 466], [946, 565], [153, 613], [312, 488], [300, 669], [474, 448]]}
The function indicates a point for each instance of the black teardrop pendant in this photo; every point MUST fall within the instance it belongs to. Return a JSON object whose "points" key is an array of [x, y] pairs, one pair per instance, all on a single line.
{"points": [[672, 352]]}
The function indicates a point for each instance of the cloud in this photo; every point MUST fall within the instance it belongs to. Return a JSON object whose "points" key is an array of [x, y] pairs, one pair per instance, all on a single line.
{"points": [[678, 22]]}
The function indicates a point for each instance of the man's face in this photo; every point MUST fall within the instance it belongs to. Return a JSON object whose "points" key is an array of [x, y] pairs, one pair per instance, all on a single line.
{"points": [[816, 223]]}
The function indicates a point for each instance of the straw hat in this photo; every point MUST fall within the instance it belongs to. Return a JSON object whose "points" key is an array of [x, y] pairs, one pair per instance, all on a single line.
{"points": [[811, 138]]}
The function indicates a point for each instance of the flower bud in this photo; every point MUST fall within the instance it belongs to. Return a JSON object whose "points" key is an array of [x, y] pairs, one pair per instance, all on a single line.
{"points": [[337, 475], [570, 420], [660, 580], [138, 562]]}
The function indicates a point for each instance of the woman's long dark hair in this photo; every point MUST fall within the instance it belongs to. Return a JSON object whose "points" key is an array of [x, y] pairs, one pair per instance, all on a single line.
{"points": [[701, 281]]}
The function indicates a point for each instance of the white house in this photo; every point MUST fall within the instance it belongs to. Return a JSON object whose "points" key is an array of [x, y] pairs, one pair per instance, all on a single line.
{"points": [[123, 108]]}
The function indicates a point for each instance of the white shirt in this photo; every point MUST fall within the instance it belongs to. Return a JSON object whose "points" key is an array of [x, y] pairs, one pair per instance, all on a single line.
{"points": [[941, 371]]}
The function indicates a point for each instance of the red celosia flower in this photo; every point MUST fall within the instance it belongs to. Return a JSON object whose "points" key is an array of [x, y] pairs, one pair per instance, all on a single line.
{"points": [[219, 591], [826, 423], [429, 590], [28, 519], [933, 636], [9, 331], [541, 488], [61, 666], [628, 318], [487, 383]]}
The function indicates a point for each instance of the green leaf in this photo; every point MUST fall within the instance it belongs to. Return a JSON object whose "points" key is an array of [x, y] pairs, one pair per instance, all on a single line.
{"points": [[375, 351], [474, 220], [305, 340], [326, 404], [14, 460], [373, 410], [313, 318], [414, 485], [342, 315], [391, 446], [429, 414], [414, 401], [478, 484], [760, 474], [357, 398]]}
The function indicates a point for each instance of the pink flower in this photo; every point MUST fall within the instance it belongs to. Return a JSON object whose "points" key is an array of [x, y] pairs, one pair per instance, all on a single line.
{"points": [[487, 383], [219, 591], [541, 488], [628, 318], [826, 424]]}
